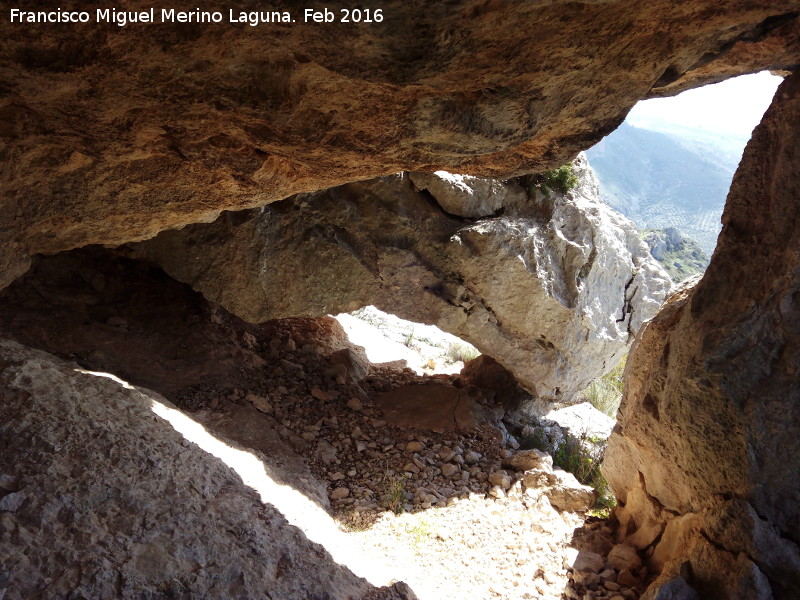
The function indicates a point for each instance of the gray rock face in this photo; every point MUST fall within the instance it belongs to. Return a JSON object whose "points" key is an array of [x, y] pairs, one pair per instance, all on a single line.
{"points": [[113, 502], [468, 196], [555, 288], [704, 458]]}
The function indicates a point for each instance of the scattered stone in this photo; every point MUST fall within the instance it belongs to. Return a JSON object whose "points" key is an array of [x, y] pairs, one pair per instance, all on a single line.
{"points": [[623, 557], [500, 479], [674, 588], [414, 446], [11, 502], [586, 578], [608, 575], [355, 404], [260, 403], [586, 561], [340, 493], [525, 460], [497, 492], [471, 457], [566, 493], [320, 394], [8, 483], [449, 470], [626, 577]]}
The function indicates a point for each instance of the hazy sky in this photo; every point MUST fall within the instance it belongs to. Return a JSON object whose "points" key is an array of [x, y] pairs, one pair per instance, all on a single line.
{"points": [[733, 107]]}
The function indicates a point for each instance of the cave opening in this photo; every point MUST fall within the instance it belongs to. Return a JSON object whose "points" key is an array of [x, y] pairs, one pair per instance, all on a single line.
{"points": [[184, 205], [387, 338], [388, 470], [669, 166]]}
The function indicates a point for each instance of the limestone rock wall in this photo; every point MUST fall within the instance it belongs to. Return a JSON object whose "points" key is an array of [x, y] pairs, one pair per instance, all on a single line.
{"points": [[555, 288], [117, 133], [704, 458]]}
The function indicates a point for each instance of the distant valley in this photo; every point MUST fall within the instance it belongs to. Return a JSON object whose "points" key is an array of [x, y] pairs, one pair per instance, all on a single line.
{"points": [[673, 178]]}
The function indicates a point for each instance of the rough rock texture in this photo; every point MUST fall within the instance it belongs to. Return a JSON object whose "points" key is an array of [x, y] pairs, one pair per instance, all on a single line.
{"points": [[468, 196], [704, 458], [117, 133], [155, 516], [555, 288]]}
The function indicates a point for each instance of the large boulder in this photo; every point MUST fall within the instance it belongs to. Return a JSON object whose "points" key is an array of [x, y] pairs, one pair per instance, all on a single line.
{"points": [[555, 288], [704, 457], [116, 133]]}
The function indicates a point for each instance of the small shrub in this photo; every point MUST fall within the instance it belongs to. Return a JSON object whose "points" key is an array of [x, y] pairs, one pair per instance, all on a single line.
{"points": [[536, 440], [578, 457], [562, 179], [582, 457], [395, 497], [461, 351], [605, 393]]}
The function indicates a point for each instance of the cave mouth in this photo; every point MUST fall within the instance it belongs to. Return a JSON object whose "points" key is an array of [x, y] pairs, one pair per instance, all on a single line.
{"points": [[670, 165], [385, 449], [409, 465]]}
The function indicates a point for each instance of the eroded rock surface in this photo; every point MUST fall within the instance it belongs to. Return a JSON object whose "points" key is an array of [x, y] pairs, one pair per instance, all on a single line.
{"points": [[704, 459], [103, 498], [555, 288], [117, 133]]}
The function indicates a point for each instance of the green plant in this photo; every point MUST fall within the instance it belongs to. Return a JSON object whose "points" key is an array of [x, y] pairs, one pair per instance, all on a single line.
{"points": [[395, 496], [461, 351], [536, 440], [605, 393], [582, 456], [562, 179]]}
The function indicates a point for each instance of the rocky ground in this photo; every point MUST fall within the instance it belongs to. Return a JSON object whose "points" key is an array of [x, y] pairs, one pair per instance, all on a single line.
{"points": [[423, 474], [451, 510]]}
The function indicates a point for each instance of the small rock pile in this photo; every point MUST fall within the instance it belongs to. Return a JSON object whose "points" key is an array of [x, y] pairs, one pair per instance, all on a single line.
{"points": [[616, 576]]}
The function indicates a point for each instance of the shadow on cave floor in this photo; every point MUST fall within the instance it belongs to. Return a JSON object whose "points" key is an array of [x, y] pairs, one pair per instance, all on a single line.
{"points": [[412, 467]]}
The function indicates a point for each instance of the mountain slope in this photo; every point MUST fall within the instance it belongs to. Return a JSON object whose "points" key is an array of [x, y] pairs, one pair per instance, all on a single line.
{"points": [[680, 256], [660, 180]]}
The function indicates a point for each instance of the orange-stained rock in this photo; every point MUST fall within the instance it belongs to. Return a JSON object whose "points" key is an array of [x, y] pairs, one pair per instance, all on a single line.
{"points": [[111, 134], [707, 440]]}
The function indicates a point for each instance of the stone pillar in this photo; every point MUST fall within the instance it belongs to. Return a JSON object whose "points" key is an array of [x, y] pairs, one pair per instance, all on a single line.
{"points": [[705, 459]]}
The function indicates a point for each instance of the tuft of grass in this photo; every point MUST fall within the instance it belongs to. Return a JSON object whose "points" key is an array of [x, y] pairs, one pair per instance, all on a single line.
{"points": [[419, 532], [461, 351], [395, 496], [582, 456], [536, 440], [560, 180], [605, 393]]}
